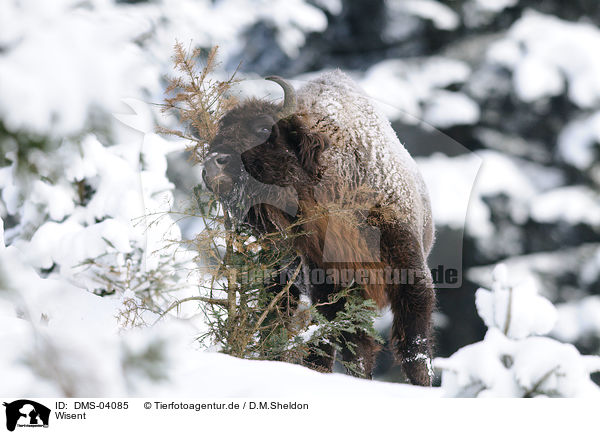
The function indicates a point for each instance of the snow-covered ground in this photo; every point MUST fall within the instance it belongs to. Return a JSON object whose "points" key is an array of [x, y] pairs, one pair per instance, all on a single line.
{"points": [[64, 341]]}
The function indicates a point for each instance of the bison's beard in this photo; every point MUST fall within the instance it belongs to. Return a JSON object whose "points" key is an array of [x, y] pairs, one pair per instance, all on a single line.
{"points": [[248, 193]]}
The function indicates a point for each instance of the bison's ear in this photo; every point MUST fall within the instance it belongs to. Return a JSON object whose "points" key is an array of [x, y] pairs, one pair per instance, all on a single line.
{"points": [[307, 144]]}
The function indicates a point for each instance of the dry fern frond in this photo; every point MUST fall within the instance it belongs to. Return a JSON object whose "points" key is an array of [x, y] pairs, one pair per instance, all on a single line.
{"points": [[197, 100]]}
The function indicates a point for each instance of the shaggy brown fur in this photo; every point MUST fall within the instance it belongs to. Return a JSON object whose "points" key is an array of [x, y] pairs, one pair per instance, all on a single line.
{"points": [[285, 155]]}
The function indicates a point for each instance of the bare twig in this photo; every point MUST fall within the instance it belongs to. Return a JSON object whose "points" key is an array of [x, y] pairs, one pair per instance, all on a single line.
{"points": [[536, 386], [217, 301], [508, 311]]}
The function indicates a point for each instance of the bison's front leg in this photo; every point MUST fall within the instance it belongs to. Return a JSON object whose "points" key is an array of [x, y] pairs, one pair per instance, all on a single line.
{"points": [[321, 357], [362, 355]]}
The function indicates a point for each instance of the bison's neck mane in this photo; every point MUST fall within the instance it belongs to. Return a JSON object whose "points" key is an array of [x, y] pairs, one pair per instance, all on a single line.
{"points": [[330, 235]]}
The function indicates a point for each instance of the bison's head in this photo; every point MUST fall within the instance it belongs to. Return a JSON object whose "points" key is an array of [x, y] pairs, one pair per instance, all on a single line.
{"points": [[263, 153]]}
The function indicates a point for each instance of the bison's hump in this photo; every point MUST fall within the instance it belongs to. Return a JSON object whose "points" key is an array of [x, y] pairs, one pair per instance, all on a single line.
{"points": [[364, 140]]}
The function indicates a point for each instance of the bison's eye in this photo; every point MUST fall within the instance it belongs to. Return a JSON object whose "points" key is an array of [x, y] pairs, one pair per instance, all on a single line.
{"points": [[263, 131]]}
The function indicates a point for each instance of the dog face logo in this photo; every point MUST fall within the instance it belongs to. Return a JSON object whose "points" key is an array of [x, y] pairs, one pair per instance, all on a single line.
{"points": [[26, 413]]}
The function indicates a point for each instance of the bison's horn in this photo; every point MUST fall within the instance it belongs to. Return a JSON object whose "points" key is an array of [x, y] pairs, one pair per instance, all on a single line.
{"points": [[289, 99]]}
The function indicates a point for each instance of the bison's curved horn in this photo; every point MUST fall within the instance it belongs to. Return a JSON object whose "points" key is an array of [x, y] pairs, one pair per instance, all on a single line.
{"points": [[289, 99]]}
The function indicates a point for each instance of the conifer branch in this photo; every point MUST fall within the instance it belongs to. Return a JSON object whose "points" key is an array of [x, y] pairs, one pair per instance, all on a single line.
{"points": [[196, 100]]}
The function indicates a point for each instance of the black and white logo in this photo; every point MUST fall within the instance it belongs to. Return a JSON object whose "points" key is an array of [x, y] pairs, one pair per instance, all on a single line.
{"points": [[26, 413]]}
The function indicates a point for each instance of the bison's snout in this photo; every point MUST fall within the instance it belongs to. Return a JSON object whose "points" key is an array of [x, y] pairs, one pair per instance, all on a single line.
{"points": [[215, 175]]}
